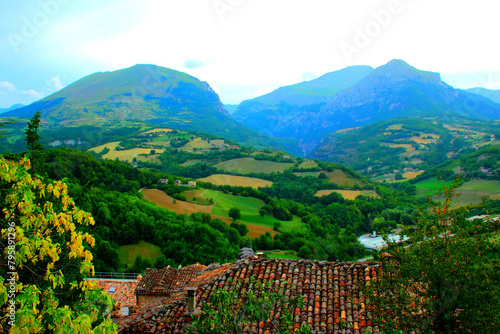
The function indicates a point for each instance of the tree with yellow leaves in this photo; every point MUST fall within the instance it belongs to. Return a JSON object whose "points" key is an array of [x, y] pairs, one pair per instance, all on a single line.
{"points": [[45, 259]]}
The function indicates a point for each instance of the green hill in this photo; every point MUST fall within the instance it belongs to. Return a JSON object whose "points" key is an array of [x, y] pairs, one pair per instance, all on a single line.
{"points": [[148, 94]]}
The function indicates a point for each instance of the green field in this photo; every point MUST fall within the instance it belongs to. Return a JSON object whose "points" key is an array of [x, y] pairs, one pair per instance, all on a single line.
{"points": [[431, 186], [281, 254], [250, 165], [128, 253], [308, 164], [249, 207], [471, 192]]}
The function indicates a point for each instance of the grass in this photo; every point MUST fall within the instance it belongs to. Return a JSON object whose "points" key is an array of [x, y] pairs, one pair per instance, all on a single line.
{"points": [[249, 207], [342, 179], [304, 174], [161, 199], [243, 181], [430, 186], [473, 192], [348, 194], [308, 164], [249, 165], [282, 254], [128, 253]]}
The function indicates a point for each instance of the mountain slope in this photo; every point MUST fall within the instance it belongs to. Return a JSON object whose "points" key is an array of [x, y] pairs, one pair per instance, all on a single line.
{"points": [[493, 95], [391, 91], [280, 112], [13, 107], [144, 93]]}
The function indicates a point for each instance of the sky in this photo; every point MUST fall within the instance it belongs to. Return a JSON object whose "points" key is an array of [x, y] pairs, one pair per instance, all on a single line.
{"points": [[242, 48]]}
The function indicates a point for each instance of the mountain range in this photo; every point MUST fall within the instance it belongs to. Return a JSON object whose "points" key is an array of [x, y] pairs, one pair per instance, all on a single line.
{"points": [[394, 90], [13, 107], [295, 118]]}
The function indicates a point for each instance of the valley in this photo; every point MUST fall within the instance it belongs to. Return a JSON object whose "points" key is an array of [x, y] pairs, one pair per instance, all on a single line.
{"points": [[327, 170]]}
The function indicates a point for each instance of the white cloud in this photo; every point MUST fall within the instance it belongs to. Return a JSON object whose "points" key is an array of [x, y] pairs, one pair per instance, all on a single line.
{"points": [[8, 86], [33, 94], [55, 83], [11, 94]]}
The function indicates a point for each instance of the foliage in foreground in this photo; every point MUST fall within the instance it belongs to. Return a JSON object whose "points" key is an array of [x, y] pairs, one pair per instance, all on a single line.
{"points": [[249, 310], [446, 280], [45, 259]]}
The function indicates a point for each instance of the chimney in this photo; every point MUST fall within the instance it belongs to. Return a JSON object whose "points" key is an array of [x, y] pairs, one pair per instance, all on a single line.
{"points": [[374, 234], [191, 292]]}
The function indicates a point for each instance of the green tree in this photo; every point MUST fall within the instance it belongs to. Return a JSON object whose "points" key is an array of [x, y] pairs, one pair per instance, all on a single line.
{"points": [[234, 213], [445, 280], [46, 259], [32, 136]]}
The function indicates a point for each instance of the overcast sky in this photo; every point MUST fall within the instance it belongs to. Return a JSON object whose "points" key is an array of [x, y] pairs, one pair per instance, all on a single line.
{"points": [[242, 48]]}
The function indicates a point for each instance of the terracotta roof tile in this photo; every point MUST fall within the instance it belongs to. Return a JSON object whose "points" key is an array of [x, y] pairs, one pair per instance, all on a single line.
{"points": [[329, 291], [124, 290]]}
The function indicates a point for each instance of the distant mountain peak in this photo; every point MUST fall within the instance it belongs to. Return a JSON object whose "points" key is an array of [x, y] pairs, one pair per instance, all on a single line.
{"points": [[399, 70]]}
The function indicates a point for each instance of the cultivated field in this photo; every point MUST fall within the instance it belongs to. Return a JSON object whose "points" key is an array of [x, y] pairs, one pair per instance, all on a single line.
{"points": [[128, 253], [249, 207], [308, 164], [126, 155], [337, 176], [430, 186], [348, 194], [222, 203], [395, 127], [250, 165], [412, 175], [232, 180], [407, 147], [163, 200]]}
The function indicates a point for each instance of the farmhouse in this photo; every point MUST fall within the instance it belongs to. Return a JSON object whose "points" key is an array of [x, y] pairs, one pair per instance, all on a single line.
{"points": [[191, 183], [329, 291], [162, 181]]}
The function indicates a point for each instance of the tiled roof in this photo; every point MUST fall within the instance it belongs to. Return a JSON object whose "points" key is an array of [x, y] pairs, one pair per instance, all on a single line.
{"points": [[329, 290], [165, 281], [124, 290]]}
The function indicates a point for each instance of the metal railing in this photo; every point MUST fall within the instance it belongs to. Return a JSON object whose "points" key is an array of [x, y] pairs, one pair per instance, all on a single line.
{"points": [[115, 276]]}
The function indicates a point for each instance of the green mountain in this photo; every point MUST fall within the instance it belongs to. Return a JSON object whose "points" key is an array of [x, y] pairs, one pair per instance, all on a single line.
{"points": [[411, 145], [281, 112], [493, 95], [394, 90], [144, 93]]}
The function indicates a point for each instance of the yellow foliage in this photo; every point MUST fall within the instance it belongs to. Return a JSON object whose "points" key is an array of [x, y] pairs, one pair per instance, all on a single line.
{"points": [[41, 219]]}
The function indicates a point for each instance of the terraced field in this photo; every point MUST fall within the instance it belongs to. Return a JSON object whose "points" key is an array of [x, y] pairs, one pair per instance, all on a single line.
{"points": [[250, 165], [232, 180]]}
